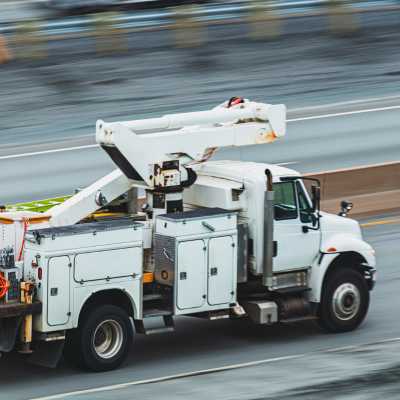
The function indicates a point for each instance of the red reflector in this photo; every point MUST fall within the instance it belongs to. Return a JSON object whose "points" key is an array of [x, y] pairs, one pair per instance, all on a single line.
{"points": [[40, 273], [331, 250]]}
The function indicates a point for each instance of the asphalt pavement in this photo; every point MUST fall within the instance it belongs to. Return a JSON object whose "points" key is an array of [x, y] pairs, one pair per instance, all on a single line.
{"points": [[311, 145], [198, 345]]}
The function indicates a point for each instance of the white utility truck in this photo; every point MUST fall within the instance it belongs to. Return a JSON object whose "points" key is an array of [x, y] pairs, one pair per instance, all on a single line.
{"points": [[210, 239]]}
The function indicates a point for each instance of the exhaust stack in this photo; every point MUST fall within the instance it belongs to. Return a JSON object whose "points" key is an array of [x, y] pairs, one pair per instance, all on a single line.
{"points": [[268, 252]]}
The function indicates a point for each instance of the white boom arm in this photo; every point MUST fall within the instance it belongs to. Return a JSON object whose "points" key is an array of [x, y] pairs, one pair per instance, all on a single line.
{"points": [[188, 136], [88, 200], [184, 137]]}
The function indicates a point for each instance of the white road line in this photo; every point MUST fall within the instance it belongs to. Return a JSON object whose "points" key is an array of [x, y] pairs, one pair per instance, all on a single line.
{"points": [[167, 378], [20, 2], [341, 114], [283, 164], [209, 371], [90, 146], [347, 103], [38, 153]]}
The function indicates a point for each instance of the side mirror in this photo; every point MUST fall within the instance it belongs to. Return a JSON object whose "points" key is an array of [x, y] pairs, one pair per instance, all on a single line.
{"points": [[316, 197], [345, 208]]}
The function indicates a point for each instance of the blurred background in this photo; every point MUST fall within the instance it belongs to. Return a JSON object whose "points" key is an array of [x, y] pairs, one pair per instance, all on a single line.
{"points": [[66, 63]]}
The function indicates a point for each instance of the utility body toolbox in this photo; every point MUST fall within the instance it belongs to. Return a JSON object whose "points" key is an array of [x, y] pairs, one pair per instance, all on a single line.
{"points": [[196, 254], [70, 263]]}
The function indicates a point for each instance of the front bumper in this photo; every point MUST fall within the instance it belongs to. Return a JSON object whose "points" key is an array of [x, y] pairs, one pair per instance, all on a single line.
{"points": [[370, 276]]}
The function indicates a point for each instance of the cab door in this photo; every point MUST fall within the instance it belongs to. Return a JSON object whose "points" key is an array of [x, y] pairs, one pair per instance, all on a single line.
{"points": [[298, 241]]}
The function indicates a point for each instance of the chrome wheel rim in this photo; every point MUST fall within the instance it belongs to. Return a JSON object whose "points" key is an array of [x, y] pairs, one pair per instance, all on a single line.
{"points": [[346, 301], [108, 338]]}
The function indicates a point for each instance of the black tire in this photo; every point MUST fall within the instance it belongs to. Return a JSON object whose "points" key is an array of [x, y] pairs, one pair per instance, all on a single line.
{"points": [[107, 326], [338, 311]]}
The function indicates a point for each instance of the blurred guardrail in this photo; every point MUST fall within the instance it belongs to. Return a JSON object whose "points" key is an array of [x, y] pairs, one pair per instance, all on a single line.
{"points": [[372, 189], [210, 13], [26, 39]]}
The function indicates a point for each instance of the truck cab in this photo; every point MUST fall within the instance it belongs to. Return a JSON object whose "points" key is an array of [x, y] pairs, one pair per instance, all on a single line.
{"points": [[305, 238]]}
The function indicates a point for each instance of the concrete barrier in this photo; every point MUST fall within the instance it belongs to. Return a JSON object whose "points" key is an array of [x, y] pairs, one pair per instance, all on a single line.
{"points": [[373, 189]]}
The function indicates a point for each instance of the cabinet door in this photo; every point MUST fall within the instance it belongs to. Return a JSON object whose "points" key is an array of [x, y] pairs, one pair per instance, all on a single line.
{"points": [[192, 274], [221, 270], [58, 295]]}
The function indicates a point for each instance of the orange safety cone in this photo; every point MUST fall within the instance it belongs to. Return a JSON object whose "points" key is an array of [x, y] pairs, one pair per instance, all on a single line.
{"points": [[5, 53]]}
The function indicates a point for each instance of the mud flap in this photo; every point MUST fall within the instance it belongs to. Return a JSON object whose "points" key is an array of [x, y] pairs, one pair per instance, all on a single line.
{"points": [[8, 333], [47, 354]]}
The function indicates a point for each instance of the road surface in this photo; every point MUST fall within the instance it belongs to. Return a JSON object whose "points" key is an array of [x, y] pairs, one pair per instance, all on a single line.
{"points": [[322, 138]]}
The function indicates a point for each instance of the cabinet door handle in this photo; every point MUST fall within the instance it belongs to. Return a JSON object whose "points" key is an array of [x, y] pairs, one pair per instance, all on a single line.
{"points": [[208, 226], [167, 256], [183, 276]]}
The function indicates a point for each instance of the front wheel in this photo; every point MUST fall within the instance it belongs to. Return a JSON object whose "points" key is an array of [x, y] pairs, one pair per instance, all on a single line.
{"points": [[103, 340], [345, 301]]}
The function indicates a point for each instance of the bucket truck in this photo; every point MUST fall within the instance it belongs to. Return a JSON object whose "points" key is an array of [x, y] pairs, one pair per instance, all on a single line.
{"points": [[210, 239]]}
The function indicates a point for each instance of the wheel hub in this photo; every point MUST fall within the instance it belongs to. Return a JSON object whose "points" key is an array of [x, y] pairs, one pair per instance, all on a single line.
{"points": [[108, 339], [346, 301]]}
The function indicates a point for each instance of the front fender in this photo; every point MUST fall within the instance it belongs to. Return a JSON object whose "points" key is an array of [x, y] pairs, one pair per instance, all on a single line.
{"points": [[331, 250], [344, 242]]}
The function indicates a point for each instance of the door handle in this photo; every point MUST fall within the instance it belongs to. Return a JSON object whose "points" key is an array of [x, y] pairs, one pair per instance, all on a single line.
{"points": [[183, 276], [208, 226]]}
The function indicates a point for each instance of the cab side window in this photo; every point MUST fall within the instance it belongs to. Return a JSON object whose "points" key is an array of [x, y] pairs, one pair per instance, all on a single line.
{"points": [[285, 203]]}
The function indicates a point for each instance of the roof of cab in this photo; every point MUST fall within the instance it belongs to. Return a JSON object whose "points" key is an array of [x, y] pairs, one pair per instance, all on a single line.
{"points": [[239, 170]]}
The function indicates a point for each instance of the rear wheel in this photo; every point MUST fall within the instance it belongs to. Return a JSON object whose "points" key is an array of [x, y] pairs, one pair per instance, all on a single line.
{"points": [[103, 340], [345, 301]]}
